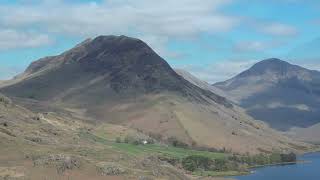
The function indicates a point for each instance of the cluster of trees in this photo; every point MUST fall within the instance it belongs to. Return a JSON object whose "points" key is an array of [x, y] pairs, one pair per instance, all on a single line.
{"points": [[177, 143], [264, 159], [240, 163], [197, 162], [291, 157], [211, 149]]}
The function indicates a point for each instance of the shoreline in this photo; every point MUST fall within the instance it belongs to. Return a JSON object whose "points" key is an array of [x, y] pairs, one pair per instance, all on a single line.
{"points": [[270, 165], [251, 169]]}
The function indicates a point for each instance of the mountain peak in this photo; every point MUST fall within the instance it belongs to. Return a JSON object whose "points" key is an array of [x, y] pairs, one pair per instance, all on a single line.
{"points": [[272, 66], [277, 92], [115, 38], [119, 43], [270, 71], [101, 52], [271, 63], [111, 53]]}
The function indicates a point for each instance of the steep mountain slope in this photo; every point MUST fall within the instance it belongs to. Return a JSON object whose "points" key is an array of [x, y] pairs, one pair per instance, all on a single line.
{"points": [[122, 80], [115, 65], [279, 93], [202, 84]]}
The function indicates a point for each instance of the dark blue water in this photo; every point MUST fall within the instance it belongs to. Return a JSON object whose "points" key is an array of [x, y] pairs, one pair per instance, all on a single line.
{"points": [[300, 171]]}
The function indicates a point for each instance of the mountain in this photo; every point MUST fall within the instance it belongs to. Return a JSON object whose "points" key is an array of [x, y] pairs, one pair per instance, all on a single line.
{"points": [[202, 84], [278, 93], [119, 65], [121, 80]]}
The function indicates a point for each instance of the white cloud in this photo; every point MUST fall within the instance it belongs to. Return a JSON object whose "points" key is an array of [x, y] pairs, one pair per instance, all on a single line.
{"points": [[153, 19], [10, 39], [219, 71], [256, 46], [279, 29], [274, 28], [250, 46]]}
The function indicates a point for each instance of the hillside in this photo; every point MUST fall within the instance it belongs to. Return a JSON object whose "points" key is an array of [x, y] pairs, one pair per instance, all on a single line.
{"points": [[310, 134], [121, 80], [53, 145], [202, 84], [279, 93]]}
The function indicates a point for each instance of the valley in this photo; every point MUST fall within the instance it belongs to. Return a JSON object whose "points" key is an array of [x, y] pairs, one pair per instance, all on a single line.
{"points": [[121, 80], [59, 146], [159, 90], [112, 108]]}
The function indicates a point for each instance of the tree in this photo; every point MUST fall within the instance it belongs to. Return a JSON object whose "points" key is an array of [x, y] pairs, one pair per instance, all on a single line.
{"points": [[220, 164], [291, 157], [195, 162], [176, 143], [275, 157], [118, 140]]}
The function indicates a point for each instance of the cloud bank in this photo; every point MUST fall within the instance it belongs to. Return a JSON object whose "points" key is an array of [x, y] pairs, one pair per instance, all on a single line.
{"points": [[12, 39], [154, 21]]}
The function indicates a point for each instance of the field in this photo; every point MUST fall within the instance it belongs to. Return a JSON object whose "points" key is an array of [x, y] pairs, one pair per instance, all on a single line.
{"points": [[165, 150], [151, 149]]}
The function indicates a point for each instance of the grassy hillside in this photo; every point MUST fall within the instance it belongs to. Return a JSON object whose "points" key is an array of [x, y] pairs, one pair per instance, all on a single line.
{"points": [[59, 145]]}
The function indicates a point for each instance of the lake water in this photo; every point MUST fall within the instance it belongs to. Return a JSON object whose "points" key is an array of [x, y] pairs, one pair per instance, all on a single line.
{"points": [[300, 171]]}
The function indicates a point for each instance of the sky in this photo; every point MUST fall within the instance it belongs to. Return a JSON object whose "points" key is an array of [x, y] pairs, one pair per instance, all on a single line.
{"points": [[212, 39]]}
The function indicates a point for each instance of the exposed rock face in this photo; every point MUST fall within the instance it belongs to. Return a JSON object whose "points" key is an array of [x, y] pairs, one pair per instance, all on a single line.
{"points": [[279, 93]]}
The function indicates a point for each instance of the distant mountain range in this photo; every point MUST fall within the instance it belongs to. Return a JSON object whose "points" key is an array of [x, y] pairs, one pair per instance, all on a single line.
{"points": [[121, 80], [277, 92]]}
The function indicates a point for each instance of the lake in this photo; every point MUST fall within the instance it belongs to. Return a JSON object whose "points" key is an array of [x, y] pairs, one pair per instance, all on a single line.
{"points": [[300, 171]]}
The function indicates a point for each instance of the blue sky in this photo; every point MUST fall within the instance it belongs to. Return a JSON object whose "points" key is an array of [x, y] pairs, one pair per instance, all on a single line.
{"points": [[213, 39]]}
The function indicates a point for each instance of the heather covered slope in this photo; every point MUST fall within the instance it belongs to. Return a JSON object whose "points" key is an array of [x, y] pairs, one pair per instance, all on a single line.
{"points": [[121, 80], [279, 93]]}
